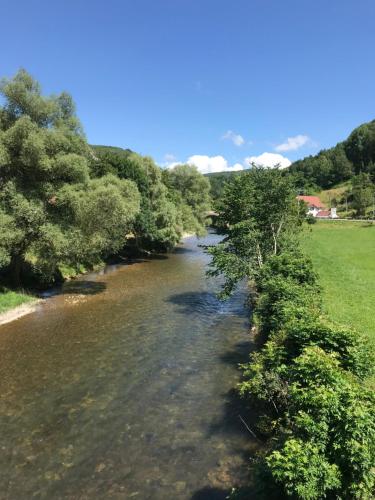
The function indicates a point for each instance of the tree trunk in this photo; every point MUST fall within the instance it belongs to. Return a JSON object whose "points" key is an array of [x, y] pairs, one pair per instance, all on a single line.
{"points": [[15, 269]]}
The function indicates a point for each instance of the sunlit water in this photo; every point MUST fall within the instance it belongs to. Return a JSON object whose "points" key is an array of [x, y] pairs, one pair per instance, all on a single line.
{"points": [[119, 387]]}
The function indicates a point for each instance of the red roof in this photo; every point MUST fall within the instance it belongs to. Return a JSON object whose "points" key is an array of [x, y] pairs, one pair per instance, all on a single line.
{"points": [[312, 201], [324, 213]]}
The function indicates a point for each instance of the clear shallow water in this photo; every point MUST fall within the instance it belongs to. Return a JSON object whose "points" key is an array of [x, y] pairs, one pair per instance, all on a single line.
{"points": [[119, 387]]}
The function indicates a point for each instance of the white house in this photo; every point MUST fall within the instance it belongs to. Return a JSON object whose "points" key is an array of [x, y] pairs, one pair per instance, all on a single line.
{"points": [[318, 209]]}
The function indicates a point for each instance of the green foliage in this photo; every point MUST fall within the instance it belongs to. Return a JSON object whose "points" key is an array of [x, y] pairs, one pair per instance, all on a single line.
{"points": [[171, 201], [309, 375], [292, 264], [259, 214], [190, 191], [50, 211], [156, 226], [64, 204], [354, 156], [363, 193], [302, 470], [360, 147], [217, 182]]}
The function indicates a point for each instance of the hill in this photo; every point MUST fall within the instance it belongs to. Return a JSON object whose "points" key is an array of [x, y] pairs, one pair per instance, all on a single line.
{"points": [[218, 179], [343, 175], [110, 149], [352, 157]]}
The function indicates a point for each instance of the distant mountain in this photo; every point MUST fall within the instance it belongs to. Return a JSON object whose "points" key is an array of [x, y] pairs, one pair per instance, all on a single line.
{"points": [[218, 179], [110, 149]]}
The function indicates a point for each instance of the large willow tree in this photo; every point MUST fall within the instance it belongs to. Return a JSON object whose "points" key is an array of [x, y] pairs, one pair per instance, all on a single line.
{"points": [[51, 212]]}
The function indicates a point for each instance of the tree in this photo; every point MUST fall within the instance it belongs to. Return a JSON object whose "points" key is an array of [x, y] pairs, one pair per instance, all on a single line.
{"points": [[260, 214], [363, 193], [342, 168], [158, 225], [47, 200], [190, 191], [360, 147]]}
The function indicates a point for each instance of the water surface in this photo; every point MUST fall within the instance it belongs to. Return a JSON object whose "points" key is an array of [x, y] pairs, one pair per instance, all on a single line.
{"points": [[119, 387]]}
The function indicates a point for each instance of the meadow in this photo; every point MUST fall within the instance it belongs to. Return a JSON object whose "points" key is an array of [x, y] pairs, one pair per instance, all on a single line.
{"points": [[343, 254]]}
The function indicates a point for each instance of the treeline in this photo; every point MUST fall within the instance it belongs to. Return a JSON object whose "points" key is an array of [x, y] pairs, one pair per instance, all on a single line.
{"points": [[66, 205], [218, 181], [307, 380], [352, 157]]}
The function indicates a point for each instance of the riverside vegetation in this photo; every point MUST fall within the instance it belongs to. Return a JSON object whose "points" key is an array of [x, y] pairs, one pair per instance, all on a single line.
{"points": [[308, 377], [65, 206]]}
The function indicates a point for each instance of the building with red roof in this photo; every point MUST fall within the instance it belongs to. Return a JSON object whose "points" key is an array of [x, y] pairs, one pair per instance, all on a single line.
{"points": [[317, 208], [312, 201]]}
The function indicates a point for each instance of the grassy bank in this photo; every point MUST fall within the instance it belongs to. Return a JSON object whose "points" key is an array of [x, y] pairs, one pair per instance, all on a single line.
{"points": [[343, 255], [10, 299]]}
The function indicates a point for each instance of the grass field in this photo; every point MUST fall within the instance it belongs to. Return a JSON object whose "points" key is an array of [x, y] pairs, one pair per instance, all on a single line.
{"points": [[10, 299], [344, 256]]}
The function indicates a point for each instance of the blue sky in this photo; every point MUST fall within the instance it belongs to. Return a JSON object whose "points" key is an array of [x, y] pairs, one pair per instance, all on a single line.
{"points": [[219, 81]]}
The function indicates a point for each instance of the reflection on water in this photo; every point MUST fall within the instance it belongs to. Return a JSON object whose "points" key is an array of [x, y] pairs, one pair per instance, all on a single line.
{"points": [[120, 387]]}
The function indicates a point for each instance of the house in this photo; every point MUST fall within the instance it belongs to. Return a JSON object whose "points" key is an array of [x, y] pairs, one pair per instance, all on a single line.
{"points": [[314, 205], [318, 209]]}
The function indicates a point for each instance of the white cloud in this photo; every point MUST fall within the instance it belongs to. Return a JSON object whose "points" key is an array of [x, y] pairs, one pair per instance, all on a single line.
{"points": [[236, 166], [237, 139], [208, 164], [171, 164], [293, 143], [169, 157], [268, 160]]}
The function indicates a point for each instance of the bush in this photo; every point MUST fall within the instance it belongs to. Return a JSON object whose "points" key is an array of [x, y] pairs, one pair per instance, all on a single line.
{"points": [[309, 378]]}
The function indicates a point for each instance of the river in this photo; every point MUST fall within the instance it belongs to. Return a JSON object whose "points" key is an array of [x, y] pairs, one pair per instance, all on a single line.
{"points": [[119, 386]]}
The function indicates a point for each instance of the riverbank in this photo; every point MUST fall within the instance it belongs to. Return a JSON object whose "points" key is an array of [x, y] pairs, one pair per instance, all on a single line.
{"points": [[14, 305]]}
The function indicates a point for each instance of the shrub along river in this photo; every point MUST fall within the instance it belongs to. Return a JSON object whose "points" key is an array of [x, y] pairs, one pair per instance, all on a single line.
{"points": [[120, 386]]}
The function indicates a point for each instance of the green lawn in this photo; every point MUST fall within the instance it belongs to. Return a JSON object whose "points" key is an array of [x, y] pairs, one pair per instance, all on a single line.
{"points": [[10, 299], [344, 256]]}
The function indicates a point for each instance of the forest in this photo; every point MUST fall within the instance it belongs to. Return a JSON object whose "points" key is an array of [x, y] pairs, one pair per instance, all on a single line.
{"points": [[348, 159], [66, 206]]}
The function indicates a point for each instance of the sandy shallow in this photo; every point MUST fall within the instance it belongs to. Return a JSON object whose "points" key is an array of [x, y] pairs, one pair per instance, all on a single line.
{"points": [[18, 312]]}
